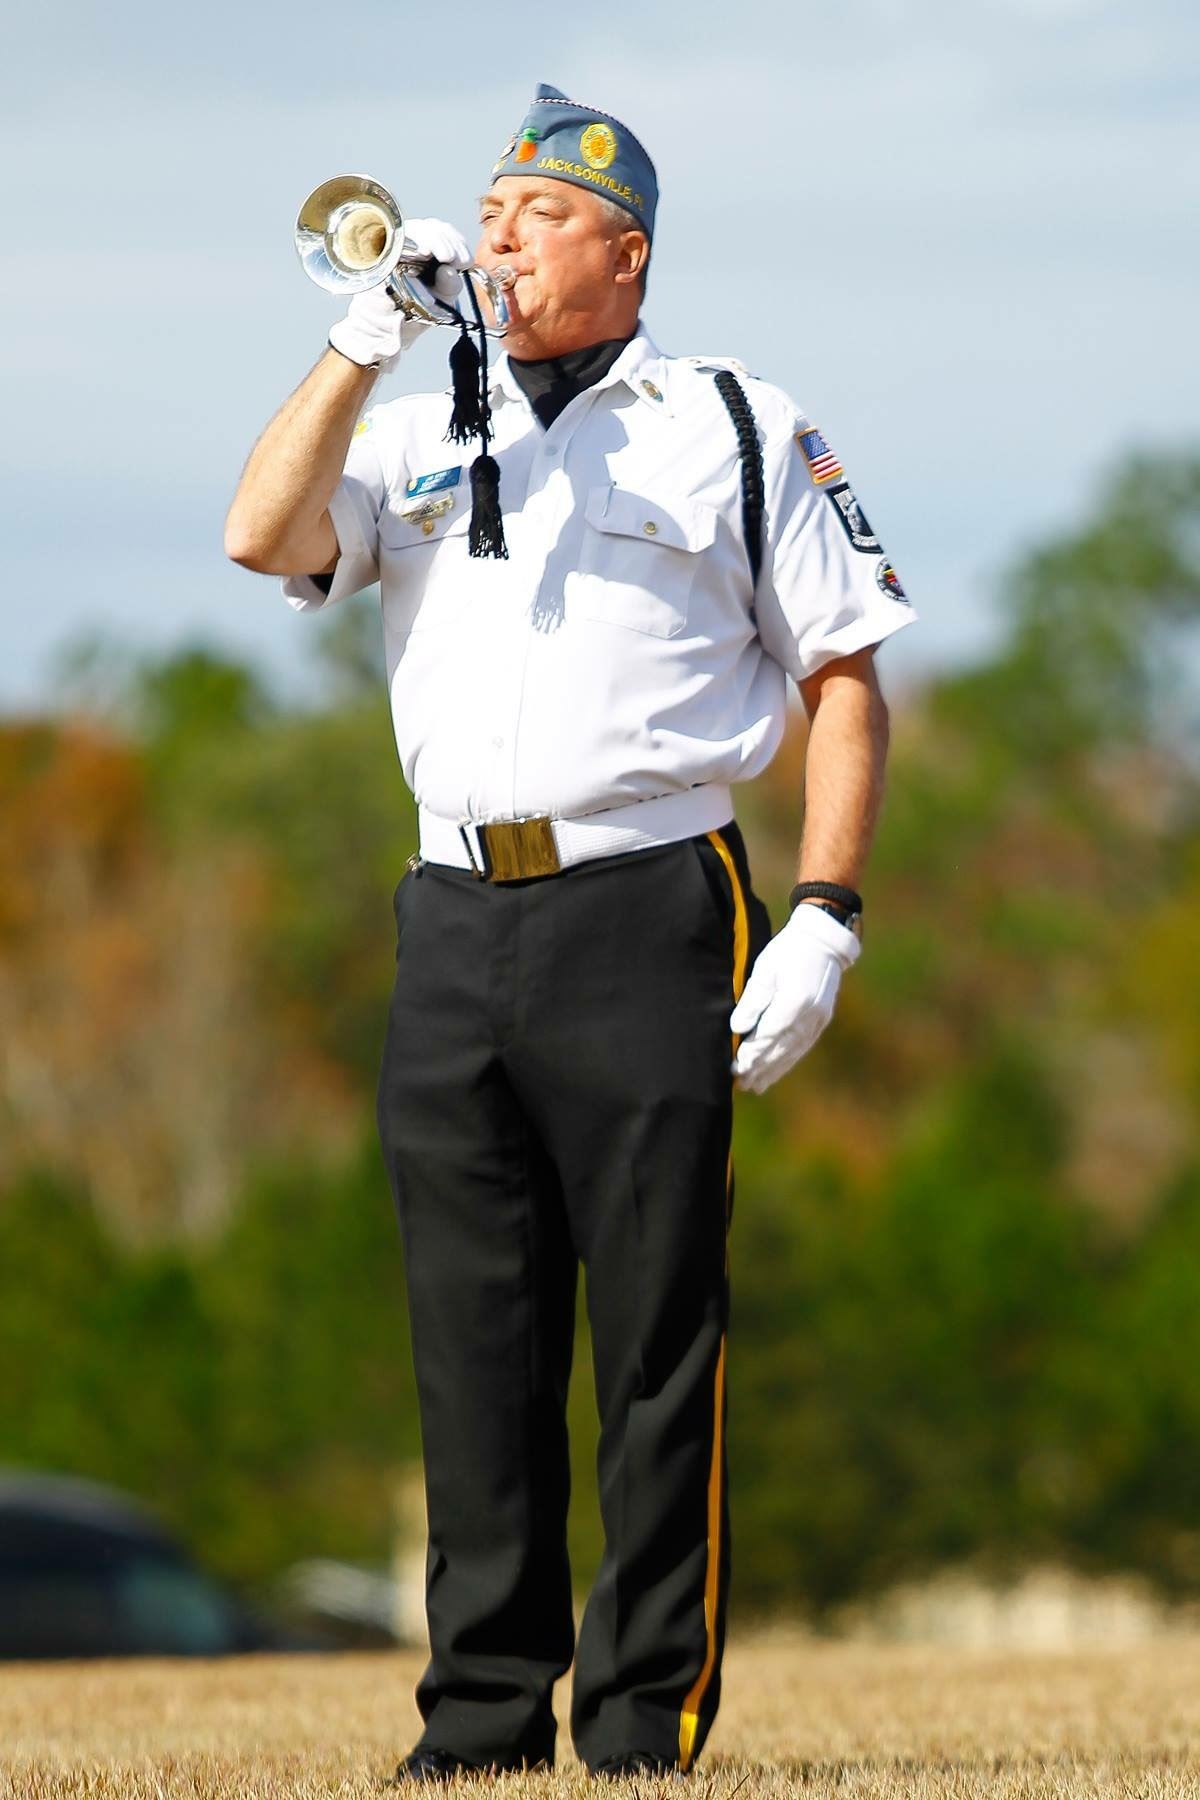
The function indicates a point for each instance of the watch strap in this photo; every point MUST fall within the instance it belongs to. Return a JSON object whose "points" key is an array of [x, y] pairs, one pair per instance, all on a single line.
{"points": [[845, 897]]}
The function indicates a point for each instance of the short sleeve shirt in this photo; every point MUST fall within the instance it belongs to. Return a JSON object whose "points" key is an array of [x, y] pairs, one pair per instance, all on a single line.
{"points": [[620, 652]]}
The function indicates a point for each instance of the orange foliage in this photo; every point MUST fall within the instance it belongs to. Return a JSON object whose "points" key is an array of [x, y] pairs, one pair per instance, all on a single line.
{"points": [[137, 1051]]}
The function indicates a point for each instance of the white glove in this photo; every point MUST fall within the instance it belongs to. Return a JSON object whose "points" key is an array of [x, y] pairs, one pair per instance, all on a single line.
{"points": [[789, 998], [374, 331]]}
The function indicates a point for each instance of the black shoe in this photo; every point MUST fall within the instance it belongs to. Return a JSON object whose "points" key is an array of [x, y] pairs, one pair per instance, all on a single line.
{"points": [[430, 1765], [636, 1762]]}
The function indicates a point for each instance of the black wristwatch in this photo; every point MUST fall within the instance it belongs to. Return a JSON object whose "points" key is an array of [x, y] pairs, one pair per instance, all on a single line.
{"points": [[852, 921], [841, 903]]}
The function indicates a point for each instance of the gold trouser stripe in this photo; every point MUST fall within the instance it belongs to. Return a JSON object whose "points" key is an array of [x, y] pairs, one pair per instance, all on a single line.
{"points": [[689, 1719], [741, 918]]}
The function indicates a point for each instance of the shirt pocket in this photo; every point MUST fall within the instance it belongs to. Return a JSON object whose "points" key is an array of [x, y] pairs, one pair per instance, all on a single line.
{"points": [[640, 557], [423, 562]]}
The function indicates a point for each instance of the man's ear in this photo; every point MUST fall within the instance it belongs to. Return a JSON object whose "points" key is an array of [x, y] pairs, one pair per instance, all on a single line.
{"points": [[633, 253]]}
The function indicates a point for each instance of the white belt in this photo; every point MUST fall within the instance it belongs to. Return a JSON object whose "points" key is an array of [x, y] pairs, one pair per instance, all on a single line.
{"points": [[514, 849]]}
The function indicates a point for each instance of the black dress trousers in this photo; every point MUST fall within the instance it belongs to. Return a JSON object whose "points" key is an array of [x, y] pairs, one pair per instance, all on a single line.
{"points": [[556, 1089]]}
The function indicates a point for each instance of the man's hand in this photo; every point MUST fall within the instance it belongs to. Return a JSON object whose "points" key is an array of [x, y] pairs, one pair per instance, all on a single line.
{"points": [[789, 998], [375, 331]]}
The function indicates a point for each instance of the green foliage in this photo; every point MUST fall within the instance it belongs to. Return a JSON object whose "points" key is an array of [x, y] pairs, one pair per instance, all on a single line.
{"points": [[905, 1329], [260, 1393], [320, 1412], [108, 1362], [1093, 657]]}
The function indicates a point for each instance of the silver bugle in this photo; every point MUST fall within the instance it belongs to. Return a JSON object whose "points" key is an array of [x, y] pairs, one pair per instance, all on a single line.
{"points": [[350, 236]]}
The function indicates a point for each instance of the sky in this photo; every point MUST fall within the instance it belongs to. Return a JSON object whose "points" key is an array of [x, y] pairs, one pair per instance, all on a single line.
{"points": [[962, 237]]}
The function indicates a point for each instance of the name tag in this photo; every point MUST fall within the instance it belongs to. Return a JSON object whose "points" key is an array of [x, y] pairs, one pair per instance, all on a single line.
{"points": [[433, 484]]}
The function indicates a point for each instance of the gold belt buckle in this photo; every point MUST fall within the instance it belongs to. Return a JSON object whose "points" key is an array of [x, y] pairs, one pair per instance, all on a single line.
{"points": [[518, 848]]}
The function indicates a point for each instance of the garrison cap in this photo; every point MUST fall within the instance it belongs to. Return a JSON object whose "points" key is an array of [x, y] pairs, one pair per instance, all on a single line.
{"points": [[567, 141]]}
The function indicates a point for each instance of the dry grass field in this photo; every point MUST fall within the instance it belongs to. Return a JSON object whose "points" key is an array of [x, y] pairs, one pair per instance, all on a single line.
{"points": [[799, 1717]]}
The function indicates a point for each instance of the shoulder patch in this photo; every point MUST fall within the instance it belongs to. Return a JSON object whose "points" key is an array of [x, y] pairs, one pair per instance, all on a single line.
{"points": [[853, 519], [823, 464], [889, 581], [365, 424]]}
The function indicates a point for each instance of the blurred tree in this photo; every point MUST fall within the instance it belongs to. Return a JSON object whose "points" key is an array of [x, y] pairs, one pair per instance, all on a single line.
{"points": [[140, 1050]]}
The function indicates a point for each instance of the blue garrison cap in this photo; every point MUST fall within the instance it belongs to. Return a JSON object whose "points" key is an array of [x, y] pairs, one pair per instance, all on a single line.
{"points": [[567, 141]]}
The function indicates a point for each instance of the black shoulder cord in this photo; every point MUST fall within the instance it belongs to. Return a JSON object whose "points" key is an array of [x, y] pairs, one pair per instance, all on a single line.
{"points": [[844, 899], [750, 452]]}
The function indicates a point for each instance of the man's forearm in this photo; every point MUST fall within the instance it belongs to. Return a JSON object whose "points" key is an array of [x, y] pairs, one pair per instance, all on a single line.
{"points": [[278, 521], [844, 769]]}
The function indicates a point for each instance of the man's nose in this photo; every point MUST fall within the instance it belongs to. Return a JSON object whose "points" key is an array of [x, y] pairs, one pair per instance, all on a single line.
{"points": [[500, 234]]}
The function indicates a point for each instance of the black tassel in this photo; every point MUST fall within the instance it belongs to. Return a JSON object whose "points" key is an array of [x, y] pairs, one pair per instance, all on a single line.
{"points": [[485, 536], [485, 533], [464, 370]]}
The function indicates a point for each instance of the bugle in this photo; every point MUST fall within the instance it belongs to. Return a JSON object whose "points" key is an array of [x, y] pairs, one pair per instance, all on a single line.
{"points": [[350, 236]]}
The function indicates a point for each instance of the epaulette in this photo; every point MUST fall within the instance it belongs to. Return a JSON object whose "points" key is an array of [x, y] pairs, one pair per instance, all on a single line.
{"points": [[719, 362]]}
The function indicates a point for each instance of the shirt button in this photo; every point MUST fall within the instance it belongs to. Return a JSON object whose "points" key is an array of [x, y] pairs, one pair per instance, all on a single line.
{"points": [[498, 743], [650, 528]]}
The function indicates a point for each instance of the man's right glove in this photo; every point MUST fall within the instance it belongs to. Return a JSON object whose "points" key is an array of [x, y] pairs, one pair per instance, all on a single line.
{"points": [[375, 331]]}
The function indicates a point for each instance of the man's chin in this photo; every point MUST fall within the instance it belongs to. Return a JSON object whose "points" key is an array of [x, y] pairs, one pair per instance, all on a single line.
{"points": [[531, 336]]}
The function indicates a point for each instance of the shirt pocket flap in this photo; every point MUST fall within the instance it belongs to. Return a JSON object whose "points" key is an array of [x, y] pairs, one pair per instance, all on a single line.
{"points": [[671, 519]]}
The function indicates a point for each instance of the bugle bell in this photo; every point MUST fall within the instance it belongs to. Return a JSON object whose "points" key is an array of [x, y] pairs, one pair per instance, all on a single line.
{"points": [[350, 236]]}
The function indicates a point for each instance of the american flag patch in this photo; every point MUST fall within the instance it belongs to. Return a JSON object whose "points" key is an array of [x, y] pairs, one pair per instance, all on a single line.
{"points": [[823, 465]]}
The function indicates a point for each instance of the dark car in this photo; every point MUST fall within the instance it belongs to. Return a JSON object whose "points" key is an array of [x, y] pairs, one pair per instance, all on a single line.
{"points": [[86, 1571]]}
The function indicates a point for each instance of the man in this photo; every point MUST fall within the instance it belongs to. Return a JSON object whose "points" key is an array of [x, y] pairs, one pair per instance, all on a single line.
{"points": [[556, 1081]]}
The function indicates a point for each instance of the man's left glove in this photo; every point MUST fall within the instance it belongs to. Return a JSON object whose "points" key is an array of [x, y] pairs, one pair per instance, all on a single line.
{"points": [[789, 998], [374, 331]]}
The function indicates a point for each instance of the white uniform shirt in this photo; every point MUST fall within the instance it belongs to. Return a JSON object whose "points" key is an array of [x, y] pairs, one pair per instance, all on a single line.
{"points": [[618, 654]]}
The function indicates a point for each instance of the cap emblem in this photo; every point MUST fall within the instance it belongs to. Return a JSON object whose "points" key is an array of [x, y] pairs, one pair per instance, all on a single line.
{"points": [[527, 148], [598, 146]]}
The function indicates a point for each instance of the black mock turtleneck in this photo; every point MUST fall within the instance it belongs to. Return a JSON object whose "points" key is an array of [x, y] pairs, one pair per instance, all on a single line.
{"points": [[550, 384]]}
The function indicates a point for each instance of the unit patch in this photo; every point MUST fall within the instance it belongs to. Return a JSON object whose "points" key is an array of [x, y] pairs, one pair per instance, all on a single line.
{"points": [[853, 519], [889, 581], [823, 465], [598, 146], [432, 484]]}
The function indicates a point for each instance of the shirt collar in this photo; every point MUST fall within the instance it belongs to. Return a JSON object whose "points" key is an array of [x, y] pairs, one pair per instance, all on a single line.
{"points": [[641, 366]]}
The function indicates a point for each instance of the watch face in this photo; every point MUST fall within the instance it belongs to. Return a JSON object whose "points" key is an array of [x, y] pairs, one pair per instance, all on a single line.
{"points": [[852, 921]]}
